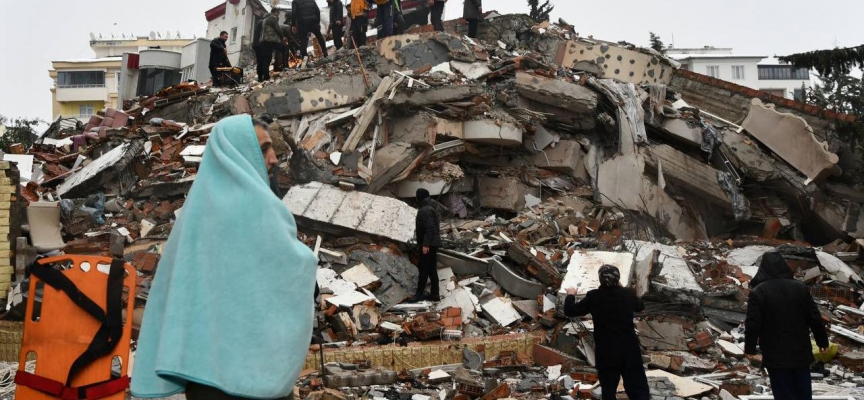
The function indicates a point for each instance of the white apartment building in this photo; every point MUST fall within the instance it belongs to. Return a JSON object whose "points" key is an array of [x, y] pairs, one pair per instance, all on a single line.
{"points": [[754, 71], [238, 18]]}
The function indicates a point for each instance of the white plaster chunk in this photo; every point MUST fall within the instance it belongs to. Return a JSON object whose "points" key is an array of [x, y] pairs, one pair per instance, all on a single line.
{"points": [[582, 272]]}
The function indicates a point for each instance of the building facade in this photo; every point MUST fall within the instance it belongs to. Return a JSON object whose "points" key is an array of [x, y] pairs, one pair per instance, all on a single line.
{"points": [[754, 71], [238, 18], [84, 86]]}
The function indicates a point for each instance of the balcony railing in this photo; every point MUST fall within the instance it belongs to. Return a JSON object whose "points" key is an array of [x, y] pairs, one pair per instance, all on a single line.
{"points": [[95, 85]]}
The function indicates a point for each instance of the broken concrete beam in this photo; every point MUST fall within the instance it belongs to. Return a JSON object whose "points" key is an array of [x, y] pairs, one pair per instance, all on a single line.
{"points": [[532, 266], [683, 131], [366, 115], [675, 278], [746, 156], [567, 157], [556, 92], [583, 268], [463, 264], [95, 175], [791, 138], [439, 94], [622, 184], [390, 161], [609, 60], [491, 132], [561, 116], [329, 209], [687, 172], [506, 194], [512, 283], [322, 92]]}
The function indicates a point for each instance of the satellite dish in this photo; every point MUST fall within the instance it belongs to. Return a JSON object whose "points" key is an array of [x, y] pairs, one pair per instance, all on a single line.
{"points": [[92, 36], [178, 35], [167, 34], [152, 35], [112, 36], [100, 36]]}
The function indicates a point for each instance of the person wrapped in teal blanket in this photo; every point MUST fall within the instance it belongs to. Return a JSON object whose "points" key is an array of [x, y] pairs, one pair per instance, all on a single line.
{"points": [[231, 306]]}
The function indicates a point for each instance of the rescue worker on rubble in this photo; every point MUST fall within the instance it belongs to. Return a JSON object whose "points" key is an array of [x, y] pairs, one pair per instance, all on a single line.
{"points": [[306, 19], [472, 12], [385, 16], [270, 41], [428, 236], [617, 349], [218, 56], [358, 12], [780, 316], [437, 7], [337, 15], [230, 312]]}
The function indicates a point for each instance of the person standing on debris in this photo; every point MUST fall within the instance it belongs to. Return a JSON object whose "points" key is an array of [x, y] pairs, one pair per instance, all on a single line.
{"points": [[427, 231], [337, 14], [230, 312], [306, 19], [780, 316], [385, 16], [218, 56], [437, 7], [358, 11], [472, 12], [271, 39], [617, 349]]}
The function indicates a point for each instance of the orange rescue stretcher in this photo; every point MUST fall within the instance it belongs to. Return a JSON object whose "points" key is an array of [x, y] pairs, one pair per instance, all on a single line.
{"points": [[78, 330]]}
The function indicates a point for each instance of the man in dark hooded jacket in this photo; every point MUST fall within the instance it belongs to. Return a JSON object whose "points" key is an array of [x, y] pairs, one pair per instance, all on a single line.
{"points": [[306, 19], [429, 239], [218, 56], [780, 315]]}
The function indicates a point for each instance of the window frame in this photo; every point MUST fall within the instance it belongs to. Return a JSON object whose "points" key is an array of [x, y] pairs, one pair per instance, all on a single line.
{"points": [[713, 68], [735, 72], [233, 35]]}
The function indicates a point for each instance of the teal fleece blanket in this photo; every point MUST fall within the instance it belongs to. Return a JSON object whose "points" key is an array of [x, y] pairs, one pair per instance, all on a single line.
{"points": [[231, 304]]}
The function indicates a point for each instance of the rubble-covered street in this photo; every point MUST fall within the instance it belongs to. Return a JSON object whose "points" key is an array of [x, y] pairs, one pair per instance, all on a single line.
{"points": [[549, 154]]}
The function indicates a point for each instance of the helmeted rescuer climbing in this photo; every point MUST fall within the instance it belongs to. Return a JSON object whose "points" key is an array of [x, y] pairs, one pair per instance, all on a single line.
{"points": [[230, 311], [618, 353]]}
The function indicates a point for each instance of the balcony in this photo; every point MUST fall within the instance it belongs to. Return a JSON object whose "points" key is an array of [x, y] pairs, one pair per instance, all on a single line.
{"points": [[82, 93]]}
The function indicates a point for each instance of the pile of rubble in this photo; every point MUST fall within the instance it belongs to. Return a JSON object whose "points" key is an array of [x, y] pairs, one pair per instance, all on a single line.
{"points": [[550, 155]]}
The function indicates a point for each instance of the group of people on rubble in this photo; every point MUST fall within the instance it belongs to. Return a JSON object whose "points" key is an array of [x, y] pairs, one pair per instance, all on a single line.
{"points": [[282, 42]]}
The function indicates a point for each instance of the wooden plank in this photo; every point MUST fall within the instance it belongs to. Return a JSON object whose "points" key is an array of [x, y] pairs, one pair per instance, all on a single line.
{"points": [[366, 115]]}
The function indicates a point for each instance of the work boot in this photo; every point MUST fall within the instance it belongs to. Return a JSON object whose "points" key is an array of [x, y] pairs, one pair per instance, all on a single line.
{"points": [[417, 298], [433, 299]]}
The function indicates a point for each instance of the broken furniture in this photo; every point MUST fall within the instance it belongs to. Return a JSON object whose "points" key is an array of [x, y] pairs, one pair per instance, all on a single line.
{"points": [[44, 224]]}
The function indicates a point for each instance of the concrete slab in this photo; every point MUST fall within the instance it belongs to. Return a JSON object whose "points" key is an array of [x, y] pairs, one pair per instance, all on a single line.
{"points": [[501, 311], [567, 157], [330, 209], [463, 264], [390, 161], [687, 172], [684, 387], [675, 277], [747, 157], [610, 60], [504, 193], [584, 266], [683, 131], [556, 92], [320, 93], [92, 174], [747, 256], [662, 335], [512, 283], [791, 138], [418, 130], [420, 97], [471, 71], [487, 131], [414, 51]]}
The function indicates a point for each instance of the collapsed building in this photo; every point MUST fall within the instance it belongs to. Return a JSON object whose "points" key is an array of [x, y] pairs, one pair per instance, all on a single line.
{"points": [[550, 154]]}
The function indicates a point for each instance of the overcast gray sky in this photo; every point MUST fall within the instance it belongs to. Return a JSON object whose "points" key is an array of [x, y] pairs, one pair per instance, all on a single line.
{"points": [[32, 33]]}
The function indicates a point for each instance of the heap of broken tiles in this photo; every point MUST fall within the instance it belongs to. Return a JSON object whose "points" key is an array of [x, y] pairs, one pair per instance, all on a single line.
{"points": [[549, 154]]}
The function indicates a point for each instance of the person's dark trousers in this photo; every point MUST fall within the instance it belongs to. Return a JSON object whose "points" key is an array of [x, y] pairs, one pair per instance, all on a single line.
{"points": [[213, 74], [386, 11], [428, 271], [635, 382], [279, 61], [791, 383], [195, 391], [337, 36], [359, 26], [264, 56], [472, 28], [437, 14], [314, 28]]}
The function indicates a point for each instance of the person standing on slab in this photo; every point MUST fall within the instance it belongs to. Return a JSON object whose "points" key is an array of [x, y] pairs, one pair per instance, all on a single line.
{"points": [[218, 56], [337, 14], [270, 41], [428, 235], [358, 11], [437, 7], [472, 12], [781, 314], [306, 19], [617, 349]]}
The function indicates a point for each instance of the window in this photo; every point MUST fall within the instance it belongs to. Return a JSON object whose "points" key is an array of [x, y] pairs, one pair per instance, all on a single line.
{"points": [[85, 111], [783, 72], [81, 79], [117, 81], [233, 35], [738, 72], [713, 71]]}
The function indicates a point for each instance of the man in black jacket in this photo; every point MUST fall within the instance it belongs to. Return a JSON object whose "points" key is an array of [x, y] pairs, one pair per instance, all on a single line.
{"points": [[218, 56], [429, 239], [306, 19], [780, 315], [337, 14], [617, 349]]}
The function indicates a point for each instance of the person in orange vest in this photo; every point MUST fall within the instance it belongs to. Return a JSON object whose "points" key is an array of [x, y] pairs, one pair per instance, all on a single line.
{"points": [[358, 11]]}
